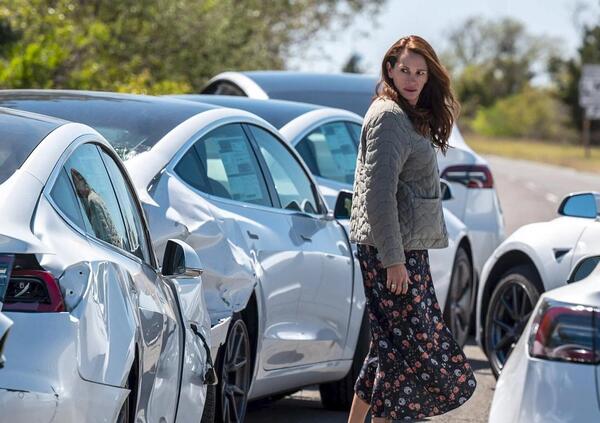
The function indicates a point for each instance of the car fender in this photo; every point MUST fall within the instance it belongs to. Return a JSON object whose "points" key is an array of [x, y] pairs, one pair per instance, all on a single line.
{"points": [[548, 245]]}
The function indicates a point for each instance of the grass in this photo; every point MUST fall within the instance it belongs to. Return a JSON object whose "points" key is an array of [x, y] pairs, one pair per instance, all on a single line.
{"points": [[567, 155]]}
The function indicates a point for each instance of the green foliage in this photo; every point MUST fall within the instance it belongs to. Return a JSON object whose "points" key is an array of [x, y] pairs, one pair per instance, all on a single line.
{"points": [[155, 46], [492, 59], [532, 113]]}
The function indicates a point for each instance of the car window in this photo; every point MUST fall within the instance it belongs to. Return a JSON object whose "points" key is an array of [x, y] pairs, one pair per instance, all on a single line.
{"points": [[96, 196], [63, 195], [190, 169], [293, 186], [231, 168], [134, 224], [355, 129], [330, 152]]}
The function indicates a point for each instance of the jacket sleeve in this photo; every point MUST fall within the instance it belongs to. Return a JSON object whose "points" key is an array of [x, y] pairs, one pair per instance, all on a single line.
{"points": [[388, 144]]}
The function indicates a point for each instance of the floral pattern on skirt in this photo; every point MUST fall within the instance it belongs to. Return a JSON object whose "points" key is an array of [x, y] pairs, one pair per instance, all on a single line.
{"points": [[414, 368]]}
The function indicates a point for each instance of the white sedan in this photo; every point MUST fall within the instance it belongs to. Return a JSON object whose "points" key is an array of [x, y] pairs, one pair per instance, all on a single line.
{"points": [[534, 259], [553, 374], [99, 333], [327, 140]]}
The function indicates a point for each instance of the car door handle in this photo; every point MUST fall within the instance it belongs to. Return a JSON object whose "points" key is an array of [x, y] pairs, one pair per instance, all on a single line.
{"points": [[306, 238], [252, 235]]}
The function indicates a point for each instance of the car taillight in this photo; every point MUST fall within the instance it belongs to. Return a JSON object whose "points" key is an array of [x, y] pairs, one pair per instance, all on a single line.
{"points": [[566, 332], [472, 176], [34, 291]]}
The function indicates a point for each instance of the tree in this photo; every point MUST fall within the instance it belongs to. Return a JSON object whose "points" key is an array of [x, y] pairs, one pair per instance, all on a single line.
{"points": [[353, 65], [492, 59], [566, 73], [156, 45]]}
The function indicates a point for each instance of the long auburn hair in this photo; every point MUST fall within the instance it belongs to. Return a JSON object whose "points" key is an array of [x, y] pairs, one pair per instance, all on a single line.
{"points": [[437, 107]]}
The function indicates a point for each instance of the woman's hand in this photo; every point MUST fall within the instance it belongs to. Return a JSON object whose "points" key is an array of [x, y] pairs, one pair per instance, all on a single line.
{"points": [[397, 279]]}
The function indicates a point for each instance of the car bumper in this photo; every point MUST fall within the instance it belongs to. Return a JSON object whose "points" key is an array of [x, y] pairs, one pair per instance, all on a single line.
{"points": [[531, 390], [41, 381]]}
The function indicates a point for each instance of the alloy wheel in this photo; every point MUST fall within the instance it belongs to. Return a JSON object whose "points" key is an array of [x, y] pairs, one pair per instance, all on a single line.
{"points": [[235, 374], [460, 298], [510, 307]]}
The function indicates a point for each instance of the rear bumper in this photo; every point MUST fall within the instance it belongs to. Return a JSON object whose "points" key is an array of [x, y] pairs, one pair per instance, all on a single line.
{"points": [[533, 390], [40, 381]]}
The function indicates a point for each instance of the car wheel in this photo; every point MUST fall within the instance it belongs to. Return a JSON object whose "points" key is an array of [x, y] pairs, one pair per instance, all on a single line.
{"points": [[510, 307], [234, 374], [461, 297], [210, 404], [127, 413], [338, 395]]}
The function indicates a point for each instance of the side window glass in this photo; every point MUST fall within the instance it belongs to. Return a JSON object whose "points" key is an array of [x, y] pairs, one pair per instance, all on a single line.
{"points": [[232, 170], [63, 195], [331, 152], [138, 244], [95, 194], [293, 186], [191, 171], [356, 131]]}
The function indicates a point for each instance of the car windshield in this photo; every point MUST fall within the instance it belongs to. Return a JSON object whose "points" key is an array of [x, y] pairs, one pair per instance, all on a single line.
{"points": [[131, 125], [18, 138]]}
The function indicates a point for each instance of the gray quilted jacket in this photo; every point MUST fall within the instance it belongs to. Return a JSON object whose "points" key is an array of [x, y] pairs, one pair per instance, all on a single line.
{"points": [[396, 204]]}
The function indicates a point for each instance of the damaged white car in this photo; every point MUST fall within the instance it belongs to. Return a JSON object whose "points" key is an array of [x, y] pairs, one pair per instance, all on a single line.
{"points": [[275, 261], [99, 334]]}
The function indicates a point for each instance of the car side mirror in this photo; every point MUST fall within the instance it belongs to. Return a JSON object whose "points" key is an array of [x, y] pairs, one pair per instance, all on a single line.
{"points": [[343, 205], [180, 260], [5, 324], [583, 204], [583, 268], [446, 190]]}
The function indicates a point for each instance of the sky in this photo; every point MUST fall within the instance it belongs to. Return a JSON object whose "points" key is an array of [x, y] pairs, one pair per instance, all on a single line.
{"points": [[431, 19]]}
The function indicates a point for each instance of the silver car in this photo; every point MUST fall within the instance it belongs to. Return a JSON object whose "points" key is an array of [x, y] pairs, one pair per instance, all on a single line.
{"points": [[276, 262], [99, 334], [327, 140]]}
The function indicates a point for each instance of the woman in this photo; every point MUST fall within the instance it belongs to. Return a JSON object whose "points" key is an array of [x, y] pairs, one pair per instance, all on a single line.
{"points": [[414, 368]]}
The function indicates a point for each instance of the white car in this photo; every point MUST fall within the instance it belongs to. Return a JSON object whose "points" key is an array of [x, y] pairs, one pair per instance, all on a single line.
{"points": [[553, 374], [327, 140], [475, 200], [99, 333], [536, 258], [275, 261]]}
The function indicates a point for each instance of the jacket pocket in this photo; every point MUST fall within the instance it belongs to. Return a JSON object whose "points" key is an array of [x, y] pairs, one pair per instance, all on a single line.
{"points": [[428, 219]]}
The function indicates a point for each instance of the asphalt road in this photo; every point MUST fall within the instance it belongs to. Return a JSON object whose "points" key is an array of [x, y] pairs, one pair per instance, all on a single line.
{"points": [[529, 192]]}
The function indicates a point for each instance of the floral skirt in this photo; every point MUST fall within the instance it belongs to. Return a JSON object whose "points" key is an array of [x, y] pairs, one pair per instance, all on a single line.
{"points": [[415, 368]]}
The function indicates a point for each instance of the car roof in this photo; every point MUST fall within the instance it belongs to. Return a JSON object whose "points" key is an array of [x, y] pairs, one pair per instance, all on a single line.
{"points": [[277, 112], [347, 91], [143, 118], [20, 133]]}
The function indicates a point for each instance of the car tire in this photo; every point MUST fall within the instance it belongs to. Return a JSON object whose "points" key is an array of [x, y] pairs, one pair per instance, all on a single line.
{"points": [[338, 395], [127, 412], [460, 300], [511, 303], [234, 371], [210, 405]]}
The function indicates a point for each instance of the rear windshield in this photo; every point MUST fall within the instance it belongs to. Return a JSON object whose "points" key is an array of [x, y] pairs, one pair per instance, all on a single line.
{"points": [[19, 136], [131, 126]]}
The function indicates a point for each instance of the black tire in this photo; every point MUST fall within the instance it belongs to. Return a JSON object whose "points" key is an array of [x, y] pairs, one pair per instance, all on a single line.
{"points": [[338, 395], [511, 304], [127, 413], [460, 300], [210, 404], [233, 369]]}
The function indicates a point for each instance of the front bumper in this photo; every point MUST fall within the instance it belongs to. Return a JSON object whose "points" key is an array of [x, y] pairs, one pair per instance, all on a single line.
{"points": [[41, 381]]}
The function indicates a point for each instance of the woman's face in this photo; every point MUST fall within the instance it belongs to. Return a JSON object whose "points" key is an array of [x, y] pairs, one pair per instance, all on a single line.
{"points": [[409, 75]]}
